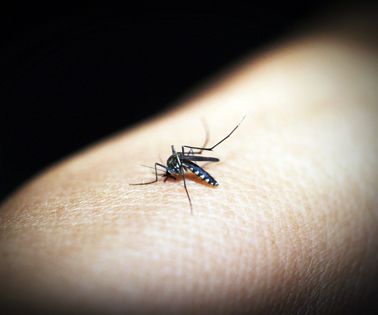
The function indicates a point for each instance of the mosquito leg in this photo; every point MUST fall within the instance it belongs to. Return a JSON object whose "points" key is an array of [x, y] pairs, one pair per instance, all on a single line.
{"points": [[207, 134], [210, 149], [190, 153], [156, 173], [186, 189]]}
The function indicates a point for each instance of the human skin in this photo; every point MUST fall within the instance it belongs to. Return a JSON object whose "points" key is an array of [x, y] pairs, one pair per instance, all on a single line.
{"points": [[292, 227]]}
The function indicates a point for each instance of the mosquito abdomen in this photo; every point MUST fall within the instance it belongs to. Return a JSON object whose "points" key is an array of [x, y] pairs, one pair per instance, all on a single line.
{"points": [[201, 173]]}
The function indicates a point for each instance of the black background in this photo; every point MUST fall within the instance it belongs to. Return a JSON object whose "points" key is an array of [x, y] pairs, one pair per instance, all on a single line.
{"points": [[74, 73]]}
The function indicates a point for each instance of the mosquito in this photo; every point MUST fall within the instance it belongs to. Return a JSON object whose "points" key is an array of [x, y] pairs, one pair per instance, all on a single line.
{"points": [[179, 163]]}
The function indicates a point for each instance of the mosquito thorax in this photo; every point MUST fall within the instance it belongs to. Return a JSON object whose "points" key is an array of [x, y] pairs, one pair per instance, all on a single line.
{"points": [[173, 163]]}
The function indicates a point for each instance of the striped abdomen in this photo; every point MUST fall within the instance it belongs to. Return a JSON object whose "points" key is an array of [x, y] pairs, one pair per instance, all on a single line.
{"points": [[200, 172]]}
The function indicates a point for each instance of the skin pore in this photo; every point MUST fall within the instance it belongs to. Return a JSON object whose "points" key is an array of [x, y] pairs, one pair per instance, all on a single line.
{"points": [[292, 227]]}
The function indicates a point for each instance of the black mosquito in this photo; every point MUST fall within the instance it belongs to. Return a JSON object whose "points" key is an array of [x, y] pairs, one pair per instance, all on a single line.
{"points": [[179, 162]]}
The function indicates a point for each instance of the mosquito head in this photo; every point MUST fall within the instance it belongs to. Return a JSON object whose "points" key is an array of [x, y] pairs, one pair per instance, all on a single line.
{"points": [[174, 164]]}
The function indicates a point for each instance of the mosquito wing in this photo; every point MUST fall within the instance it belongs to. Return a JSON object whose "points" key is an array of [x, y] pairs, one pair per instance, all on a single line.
{"points": [[201, 158]]}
